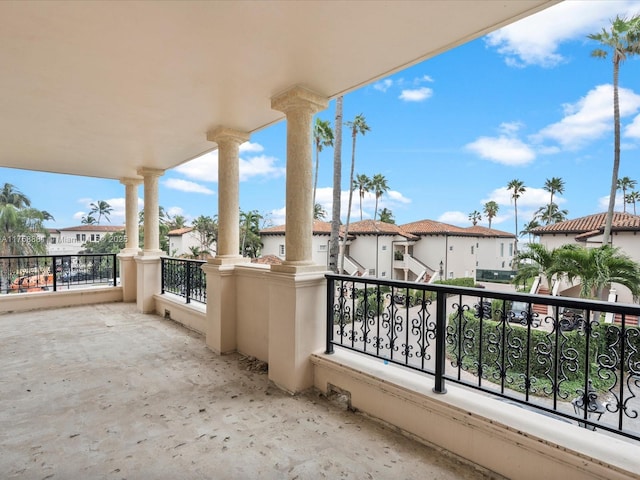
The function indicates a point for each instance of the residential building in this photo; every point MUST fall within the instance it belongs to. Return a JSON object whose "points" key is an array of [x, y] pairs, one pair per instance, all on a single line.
{"points": [[588, 231], [273, 242], [185, 241], [71, 240]]}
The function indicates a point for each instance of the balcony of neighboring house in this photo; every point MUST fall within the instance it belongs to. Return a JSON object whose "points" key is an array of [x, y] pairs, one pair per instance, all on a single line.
{"points": [[407, 267]]}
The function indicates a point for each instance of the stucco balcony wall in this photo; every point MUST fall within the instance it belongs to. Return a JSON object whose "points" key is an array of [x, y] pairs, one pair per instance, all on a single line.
{"points": [[252, 283], [21, 302], [503, 438], [190, 315]]}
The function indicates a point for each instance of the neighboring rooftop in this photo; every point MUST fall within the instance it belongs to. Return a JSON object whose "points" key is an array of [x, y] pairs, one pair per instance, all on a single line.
{"points": [[592, 224], [93, 228]]}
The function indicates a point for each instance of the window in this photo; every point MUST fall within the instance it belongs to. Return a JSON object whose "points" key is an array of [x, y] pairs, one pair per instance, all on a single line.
{"points": [[281, 250], [84, 237], [323, 248], [384, 247], [511, 249], [93, 237], [372, 271], [502, 264], [77, 237], [53, 240], [97, 237], [451, 248], [476, 263], [383, 274], [502, 250], [471, 249]]}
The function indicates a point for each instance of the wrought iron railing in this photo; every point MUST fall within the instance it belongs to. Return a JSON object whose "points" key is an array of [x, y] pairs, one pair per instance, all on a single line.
{"points": [[37, 273], [577, 360], [184, 278]]}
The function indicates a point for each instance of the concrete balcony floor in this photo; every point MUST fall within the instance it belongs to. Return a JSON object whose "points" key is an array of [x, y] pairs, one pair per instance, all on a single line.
{"points": [[105, 392]]}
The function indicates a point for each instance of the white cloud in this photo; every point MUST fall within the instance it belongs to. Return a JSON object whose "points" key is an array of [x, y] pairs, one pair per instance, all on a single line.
{"points": [[383, 85], [590, 117], [205, 168], [503, 149], [173, 211], [278, 216], [454, 218], [416, 95], [251, 147], [260, 166], [603, 203], [187, 186], [633, 129], [532, 197], [535, 40]]}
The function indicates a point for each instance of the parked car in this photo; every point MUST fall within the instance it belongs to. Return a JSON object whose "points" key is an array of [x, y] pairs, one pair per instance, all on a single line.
{"points": [[571, 319], [71, 277]]}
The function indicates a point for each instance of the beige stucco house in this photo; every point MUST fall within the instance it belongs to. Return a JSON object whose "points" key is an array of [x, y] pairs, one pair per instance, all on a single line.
{"points": [[183, 241], [71, 240], [588, 231]]}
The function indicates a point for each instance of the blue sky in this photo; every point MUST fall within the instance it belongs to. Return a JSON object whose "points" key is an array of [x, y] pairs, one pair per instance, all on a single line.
{"points": [[526, 102]]}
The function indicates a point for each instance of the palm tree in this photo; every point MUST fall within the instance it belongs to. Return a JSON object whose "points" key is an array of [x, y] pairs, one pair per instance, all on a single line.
{"points": [[386, 216], [491, 210], [334, 238], [551, 213], [206, 228], [102, 208], [622, 41], [88, 220], [357, 126], [176, 222], [379, 187], [542, 258], [10, 195], [363, 184], [596, 268], [554, 185], [319, 213], [322, 137], [250, 229], [475, 217], [633, 198], [529, 227], [624, 184], [517, 187]]}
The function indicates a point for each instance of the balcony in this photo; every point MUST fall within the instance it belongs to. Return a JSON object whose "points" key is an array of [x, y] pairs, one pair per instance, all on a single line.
{"points": [[411, 364], [104, 391]]}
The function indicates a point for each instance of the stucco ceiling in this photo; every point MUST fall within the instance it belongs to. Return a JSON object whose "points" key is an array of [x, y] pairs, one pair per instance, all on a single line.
{"points": [[102, 88]]}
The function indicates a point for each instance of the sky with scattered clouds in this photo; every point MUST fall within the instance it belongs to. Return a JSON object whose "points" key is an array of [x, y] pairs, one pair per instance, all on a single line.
{"points": [[526, 102]]}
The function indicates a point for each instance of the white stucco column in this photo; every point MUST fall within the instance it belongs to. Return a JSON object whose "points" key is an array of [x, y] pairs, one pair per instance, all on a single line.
{"points": [[148, 261], [228, 242], [222, 294], [131, 214], [151, 210], [299, 105], [128, 269]]}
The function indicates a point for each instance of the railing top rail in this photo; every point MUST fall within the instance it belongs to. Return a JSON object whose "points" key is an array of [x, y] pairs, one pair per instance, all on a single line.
{"points": [[570, 302], [58, 255], [191, 260]]}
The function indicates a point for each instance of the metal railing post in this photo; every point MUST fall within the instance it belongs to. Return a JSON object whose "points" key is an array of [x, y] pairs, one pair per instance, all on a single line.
{"points": [[188, 286], [163, 273], [115, 269], [330, 300], [55, 272], [441, 333]]}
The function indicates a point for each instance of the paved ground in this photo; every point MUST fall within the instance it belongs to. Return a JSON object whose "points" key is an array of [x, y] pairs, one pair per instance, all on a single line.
{"points": [[104, 392]]}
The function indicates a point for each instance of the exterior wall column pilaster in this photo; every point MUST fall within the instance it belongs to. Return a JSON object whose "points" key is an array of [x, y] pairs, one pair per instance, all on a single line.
{"points": [[128, 269], [148, 262], [297, 288], [221, 321], [299, 105]]}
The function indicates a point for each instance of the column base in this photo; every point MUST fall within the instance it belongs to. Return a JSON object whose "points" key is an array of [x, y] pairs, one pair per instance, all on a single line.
{"points": [[228, 260]]}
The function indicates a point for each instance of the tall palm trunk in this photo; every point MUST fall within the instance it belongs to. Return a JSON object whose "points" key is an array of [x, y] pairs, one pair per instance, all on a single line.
{"points": [[515, 209], [346, 227], [616, 156], [337, 190]]}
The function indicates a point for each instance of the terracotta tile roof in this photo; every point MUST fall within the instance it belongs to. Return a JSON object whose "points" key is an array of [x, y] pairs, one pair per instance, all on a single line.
{"points": [[370, 227], [180, 231], [93, 228], [267, 260], [423, 227], [592, 224], [479, 230], [319, 227]]}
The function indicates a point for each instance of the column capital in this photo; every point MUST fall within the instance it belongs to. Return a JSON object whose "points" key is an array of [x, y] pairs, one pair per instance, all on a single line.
{"points": [[130, 181], [221, 134], [299, 97], [148, 171]]}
